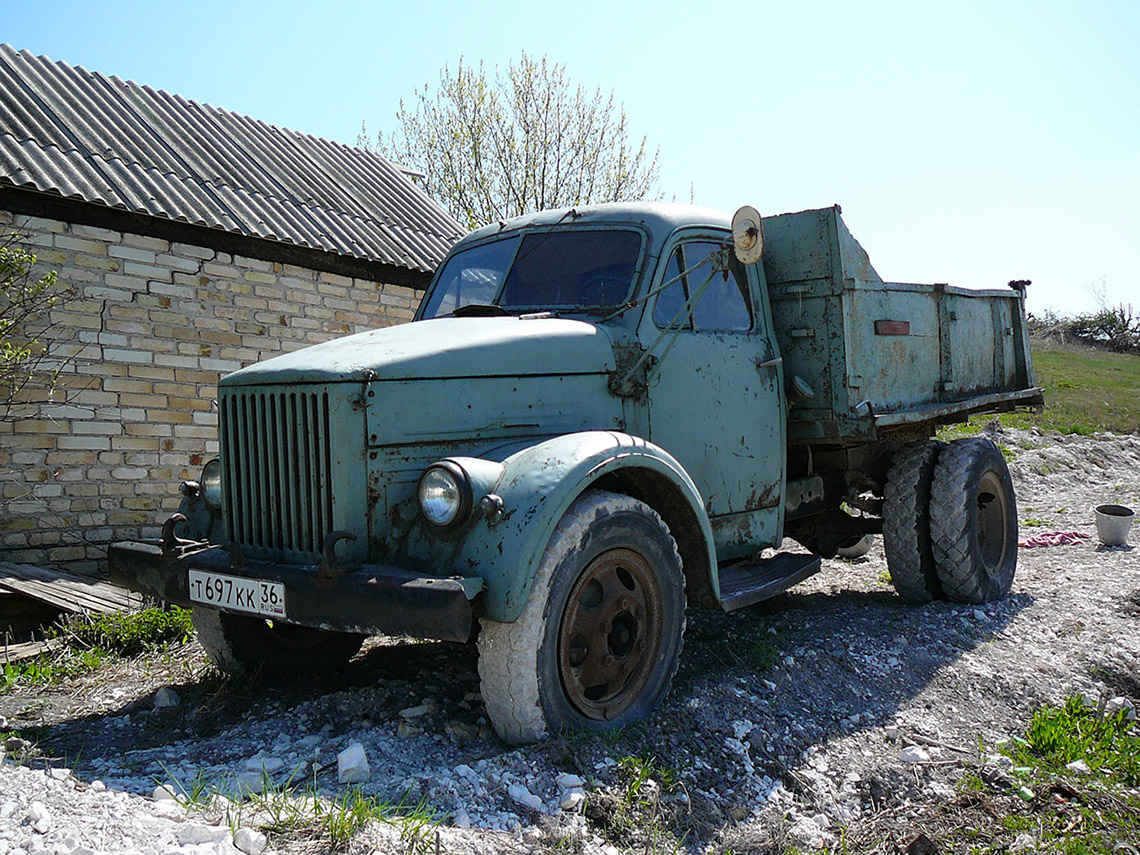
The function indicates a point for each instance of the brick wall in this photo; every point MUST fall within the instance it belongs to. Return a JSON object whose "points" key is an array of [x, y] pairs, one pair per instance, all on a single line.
{"points": [[151, 327]]}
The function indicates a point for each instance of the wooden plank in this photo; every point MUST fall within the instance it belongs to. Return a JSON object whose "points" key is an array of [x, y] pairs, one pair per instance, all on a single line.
{"points": [[69, 597], [62, 596], [66, 591], [25, 650]]}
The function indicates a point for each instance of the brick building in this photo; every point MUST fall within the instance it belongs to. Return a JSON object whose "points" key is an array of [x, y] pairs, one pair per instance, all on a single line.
{"points": [[195, 241]]}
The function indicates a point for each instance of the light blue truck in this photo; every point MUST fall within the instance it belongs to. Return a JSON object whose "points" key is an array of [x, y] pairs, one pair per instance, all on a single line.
{"points": [[600, 416]]}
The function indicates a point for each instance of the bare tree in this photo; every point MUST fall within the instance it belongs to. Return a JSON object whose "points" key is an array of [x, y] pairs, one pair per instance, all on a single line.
{"points": [[525, 140]]}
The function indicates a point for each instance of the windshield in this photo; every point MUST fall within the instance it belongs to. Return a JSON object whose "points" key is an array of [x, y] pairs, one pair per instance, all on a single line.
{"points": [[572, 269]]}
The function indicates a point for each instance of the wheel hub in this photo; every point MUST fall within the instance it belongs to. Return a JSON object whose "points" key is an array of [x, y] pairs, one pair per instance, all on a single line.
{"points": [[992, 516], [610, 634]]}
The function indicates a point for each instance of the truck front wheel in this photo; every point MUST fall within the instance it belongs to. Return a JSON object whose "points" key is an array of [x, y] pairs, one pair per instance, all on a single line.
{"points": [[599, 639], [906, 522], [973, 522], [253, 647]]}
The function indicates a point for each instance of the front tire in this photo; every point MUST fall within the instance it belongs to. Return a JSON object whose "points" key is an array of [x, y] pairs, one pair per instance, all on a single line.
{"points": [[599, 639], [973, 522], [254, 647]]}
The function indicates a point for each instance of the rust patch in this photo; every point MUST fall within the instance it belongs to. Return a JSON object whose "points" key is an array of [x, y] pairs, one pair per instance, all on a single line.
{"points": [[885, 327], [764, 498]]}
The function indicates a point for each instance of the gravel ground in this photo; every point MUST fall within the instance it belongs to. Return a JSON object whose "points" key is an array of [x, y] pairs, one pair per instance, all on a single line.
{"points": [[833, 709]]}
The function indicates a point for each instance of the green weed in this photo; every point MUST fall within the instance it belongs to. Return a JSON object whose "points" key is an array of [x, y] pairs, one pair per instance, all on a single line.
{"points": [[1109, 744], [1065, 809], [344, 816], [129, 634], [49, 668], [637, 818], [765, 653], [196, 794], [642, 768], [283, 810]]}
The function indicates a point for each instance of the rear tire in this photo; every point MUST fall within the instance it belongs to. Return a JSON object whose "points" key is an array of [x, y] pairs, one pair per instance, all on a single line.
{"points": [[906, 522], [254, 647], [600, 636], [973, 522]]}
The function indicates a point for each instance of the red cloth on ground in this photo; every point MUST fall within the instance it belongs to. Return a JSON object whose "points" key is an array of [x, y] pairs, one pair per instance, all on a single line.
{"points": [[1053, 538]]}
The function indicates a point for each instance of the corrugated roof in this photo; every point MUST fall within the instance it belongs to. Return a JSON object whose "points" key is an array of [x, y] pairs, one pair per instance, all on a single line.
{"points": [[112, 142]]}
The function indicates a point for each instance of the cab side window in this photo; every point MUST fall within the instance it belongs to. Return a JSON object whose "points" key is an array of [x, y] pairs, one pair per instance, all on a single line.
{"points": [[724, 305], [666, 312]]}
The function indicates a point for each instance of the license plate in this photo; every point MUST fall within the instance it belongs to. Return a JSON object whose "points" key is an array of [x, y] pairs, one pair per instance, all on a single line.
{"points": [[253, 596]]}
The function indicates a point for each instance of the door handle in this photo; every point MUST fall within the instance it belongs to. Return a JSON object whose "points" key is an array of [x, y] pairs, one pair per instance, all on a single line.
{"points": [[769, 363]]}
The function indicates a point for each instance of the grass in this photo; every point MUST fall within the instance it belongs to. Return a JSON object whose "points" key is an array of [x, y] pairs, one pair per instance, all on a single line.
{"points": [[640, 769], [639, 818], [765, 652], [288, 810], [1108, 743], [49, 668], [128, 634], [1087, 391], [336, 822], [1063, 809], [92, 640]]}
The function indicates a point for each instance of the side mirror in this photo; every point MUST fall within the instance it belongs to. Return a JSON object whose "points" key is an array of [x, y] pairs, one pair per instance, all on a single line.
{"points": [[747, 235]]}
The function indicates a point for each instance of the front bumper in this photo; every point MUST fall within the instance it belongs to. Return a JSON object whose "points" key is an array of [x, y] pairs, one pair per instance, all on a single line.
{"points": [[374, 599]]}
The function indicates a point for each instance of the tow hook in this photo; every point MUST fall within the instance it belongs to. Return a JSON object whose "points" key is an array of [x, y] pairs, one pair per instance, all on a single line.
{"points": [[174, 546], [327, 570]]}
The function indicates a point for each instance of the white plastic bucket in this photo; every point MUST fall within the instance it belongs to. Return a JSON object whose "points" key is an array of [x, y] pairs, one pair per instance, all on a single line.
{"points": [[1112, 524]]}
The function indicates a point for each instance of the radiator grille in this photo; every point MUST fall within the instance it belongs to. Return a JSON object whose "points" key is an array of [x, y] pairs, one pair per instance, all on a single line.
{"points": [[277, 474]]}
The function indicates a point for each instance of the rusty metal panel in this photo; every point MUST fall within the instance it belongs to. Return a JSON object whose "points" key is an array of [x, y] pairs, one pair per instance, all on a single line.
{"points": [[887, 327], [869, 348]]}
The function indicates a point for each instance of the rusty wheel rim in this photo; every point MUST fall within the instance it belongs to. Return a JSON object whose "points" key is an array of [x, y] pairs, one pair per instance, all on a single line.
{"points": [[610, 636], [993, 518]]}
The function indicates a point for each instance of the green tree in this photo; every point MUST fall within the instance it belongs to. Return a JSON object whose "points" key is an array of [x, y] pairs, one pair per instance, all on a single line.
{"points": [[524, 140], [26, 299]]}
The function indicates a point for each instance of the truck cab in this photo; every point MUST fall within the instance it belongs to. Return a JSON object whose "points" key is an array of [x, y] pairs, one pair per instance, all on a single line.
{"points": [[697, 370]]}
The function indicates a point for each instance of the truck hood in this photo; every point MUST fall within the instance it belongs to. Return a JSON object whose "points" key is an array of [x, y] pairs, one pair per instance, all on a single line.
{"points": [[442, 348]]}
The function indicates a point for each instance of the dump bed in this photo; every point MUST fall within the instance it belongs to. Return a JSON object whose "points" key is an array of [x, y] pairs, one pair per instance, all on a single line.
{"points": [[883, 357]]}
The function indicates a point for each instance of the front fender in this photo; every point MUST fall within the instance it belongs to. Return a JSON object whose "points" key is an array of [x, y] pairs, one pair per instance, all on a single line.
{"points": [[537, 486]]}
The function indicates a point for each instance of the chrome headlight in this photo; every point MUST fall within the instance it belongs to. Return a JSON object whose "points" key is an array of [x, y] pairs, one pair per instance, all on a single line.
{"points": [[445, 494], [212, 484]]}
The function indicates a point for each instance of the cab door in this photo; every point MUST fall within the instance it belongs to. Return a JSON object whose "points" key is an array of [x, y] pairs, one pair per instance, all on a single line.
{"points": [[715, 400]]}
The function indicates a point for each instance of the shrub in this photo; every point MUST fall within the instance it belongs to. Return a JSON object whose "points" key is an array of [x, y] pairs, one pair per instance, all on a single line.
{"points": [[26, 300], [1116, 329]]}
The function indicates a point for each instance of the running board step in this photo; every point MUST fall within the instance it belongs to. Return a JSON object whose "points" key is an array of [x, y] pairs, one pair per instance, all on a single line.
{"points": [[744, 586]]}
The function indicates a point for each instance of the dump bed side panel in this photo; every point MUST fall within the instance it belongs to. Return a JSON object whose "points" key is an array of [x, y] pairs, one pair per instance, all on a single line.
{"points": [[878, 354]]}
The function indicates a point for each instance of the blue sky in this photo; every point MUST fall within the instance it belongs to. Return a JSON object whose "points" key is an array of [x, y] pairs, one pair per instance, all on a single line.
{"points": [[968, 142]]}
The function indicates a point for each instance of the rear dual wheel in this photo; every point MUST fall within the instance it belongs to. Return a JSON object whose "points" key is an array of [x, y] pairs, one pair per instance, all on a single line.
{"points": [[950, 522], [973, 522], [906, 522]]}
